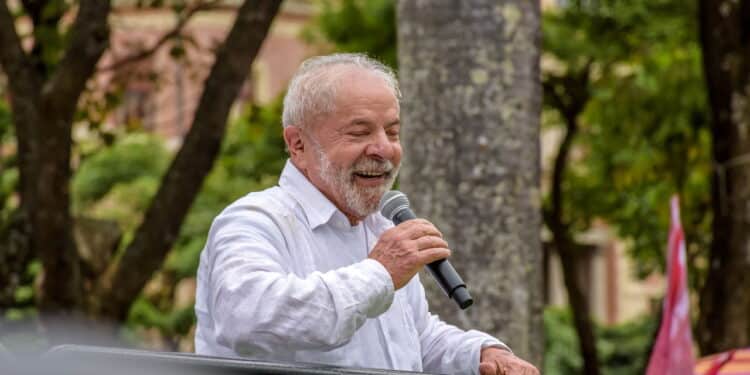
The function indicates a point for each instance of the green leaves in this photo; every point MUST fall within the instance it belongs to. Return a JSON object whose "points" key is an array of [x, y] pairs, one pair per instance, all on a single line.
{"points": [[622, 349], [133, 157], [644, 129], [358, 26]]}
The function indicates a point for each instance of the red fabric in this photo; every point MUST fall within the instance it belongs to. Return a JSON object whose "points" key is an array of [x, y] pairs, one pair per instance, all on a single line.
{"points": [[720, 362], [673, 351]]}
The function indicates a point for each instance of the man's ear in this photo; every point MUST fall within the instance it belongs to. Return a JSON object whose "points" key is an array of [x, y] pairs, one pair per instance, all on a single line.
{"points": [[296, 146]]}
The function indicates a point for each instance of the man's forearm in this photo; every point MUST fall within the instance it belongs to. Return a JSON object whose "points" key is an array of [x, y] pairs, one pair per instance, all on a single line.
{"points": [[261, 312]]}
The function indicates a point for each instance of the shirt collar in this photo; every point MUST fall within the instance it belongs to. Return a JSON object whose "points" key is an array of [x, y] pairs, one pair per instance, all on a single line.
{"points": [[316, 206]]}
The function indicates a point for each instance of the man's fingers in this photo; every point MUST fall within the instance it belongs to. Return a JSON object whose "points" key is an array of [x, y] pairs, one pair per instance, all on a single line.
{"points": [[429, 242], [486, 368], [414, 229], [431, 255]]}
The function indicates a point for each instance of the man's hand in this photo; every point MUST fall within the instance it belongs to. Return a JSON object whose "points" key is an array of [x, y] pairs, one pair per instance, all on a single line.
{"points": [[404, 249], [496, 361]]}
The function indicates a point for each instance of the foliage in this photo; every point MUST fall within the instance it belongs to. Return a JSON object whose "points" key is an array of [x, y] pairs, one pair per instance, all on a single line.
{"points": [[358, 26], [54, 66], [133, 157], [8, 170], [644, 132], [173, 323], [623, 348]]}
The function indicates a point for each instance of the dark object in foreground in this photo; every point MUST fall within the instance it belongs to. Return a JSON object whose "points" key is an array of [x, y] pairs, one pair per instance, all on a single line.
{"points": [[94, 360], [395, 207]]}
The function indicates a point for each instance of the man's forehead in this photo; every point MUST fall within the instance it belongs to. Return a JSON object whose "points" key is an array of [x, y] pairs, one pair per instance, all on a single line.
{"points": [[356, 93], [352, 77]]}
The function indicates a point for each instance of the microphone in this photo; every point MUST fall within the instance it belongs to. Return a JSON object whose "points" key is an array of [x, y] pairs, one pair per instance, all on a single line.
{"points": [[395, 206]]}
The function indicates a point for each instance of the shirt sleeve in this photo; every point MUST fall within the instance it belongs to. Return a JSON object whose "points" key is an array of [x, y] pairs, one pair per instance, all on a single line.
{"points": [[259, 307], [446, 349]]}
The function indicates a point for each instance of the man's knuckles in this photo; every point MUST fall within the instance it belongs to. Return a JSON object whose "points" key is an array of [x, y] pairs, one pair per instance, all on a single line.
{"points": [[487, 368]]}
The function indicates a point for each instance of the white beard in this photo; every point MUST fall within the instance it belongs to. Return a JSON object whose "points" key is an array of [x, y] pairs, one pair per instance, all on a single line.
{"points": [[362, 201]]}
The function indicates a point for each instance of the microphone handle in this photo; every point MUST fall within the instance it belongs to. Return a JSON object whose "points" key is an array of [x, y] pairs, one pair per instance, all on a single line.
{"points": [[441, 270]]}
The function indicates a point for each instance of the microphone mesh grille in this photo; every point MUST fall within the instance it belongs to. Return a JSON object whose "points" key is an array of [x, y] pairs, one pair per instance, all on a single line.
{"points": [[392, 202]]}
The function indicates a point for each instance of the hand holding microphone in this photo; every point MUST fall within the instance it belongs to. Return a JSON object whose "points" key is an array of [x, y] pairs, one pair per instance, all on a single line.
{"points": [[413, 243], [405, 249]]}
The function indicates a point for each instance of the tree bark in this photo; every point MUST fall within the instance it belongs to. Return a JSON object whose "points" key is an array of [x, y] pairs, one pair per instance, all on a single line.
{"points": [[120, 285], [472, 100], [24, 86], [43, 106], [725, 297]]}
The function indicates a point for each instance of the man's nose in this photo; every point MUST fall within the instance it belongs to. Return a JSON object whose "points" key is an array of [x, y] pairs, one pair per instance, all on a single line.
{"points": [[380, 146]]}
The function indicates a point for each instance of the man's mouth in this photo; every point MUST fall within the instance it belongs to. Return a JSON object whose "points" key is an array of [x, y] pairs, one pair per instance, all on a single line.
{"points": [[372, 175]]}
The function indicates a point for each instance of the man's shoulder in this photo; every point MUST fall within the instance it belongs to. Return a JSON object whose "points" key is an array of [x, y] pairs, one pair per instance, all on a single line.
{"points": [[273, 201]]}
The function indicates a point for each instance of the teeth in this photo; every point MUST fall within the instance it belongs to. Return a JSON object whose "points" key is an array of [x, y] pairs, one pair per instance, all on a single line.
{"points": [[371, 174]]}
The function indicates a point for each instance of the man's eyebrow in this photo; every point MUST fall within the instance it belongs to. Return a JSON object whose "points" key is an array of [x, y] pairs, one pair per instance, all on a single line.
{"points": [[359, 121], [394, 122]]}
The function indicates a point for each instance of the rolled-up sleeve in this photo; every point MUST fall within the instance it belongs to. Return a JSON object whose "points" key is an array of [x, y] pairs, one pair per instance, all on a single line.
{"points": [[259, 306]]}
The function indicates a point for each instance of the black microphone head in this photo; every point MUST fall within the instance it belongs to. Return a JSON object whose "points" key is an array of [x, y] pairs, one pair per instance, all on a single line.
{"points": [[392, 203]]}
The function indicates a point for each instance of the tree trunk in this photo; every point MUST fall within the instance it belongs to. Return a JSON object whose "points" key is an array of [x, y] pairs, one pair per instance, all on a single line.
{"points": [[43, 105], [472, 100], [725, 298], [569, 255], [122, 283], [569, 95]]}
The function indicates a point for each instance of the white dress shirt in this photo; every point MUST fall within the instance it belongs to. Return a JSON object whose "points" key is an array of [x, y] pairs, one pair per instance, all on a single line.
{"points": [[285, 276]]}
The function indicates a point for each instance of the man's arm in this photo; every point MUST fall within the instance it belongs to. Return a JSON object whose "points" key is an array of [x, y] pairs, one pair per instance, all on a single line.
{"points": [[447, 349], [258, 306]]}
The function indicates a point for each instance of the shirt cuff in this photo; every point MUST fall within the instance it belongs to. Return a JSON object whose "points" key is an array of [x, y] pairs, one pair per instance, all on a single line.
{"points": [[382, 287], [494, 343], [487, 343]]}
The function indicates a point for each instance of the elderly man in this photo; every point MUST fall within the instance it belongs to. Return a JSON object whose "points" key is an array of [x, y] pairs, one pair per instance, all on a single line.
{"points": [[309, 271]]}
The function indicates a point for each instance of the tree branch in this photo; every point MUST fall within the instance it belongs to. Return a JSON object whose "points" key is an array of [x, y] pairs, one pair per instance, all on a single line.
{"points": [[13, 59], [90, 34], [570, 106], [123, 281], [61, 291], [45, 22], [549, 85], [25, 85], [558, 172], [34, 9], [175, 32]]}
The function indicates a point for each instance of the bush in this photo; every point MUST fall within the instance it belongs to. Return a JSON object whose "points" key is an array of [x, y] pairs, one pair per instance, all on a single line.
{"points": [[133, 157], [623, 349]]}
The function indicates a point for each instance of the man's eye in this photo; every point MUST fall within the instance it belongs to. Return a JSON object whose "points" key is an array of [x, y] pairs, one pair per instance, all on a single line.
{"points": [[358, 134]]}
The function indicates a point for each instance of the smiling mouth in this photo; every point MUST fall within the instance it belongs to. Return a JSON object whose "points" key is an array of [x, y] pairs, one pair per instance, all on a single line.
{"points": [[372, 175]]}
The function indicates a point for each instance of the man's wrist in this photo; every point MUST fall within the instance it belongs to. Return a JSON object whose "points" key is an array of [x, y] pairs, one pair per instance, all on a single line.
{"points": [[495, 344]]}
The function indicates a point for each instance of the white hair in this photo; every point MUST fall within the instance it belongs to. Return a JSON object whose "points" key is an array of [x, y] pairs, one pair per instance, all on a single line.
{"points": [[312, 90]]}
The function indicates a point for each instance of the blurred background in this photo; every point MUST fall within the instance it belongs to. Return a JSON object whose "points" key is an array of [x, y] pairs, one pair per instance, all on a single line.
{"points": [[118, 149]]}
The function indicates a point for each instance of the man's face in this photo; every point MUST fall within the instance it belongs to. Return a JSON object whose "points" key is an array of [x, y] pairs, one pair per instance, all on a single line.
{"points": [[353, 154]]}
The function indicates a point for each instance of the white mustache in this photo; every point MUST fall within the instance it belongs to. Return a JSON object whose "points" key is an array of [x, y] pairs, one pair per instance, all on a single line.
{"points": [[372, 166]]}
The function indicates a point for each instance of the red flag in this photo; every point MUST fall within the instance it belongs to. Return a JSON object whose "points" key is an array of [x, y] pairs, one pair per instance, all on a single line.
{"points": [[673, 351]]}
